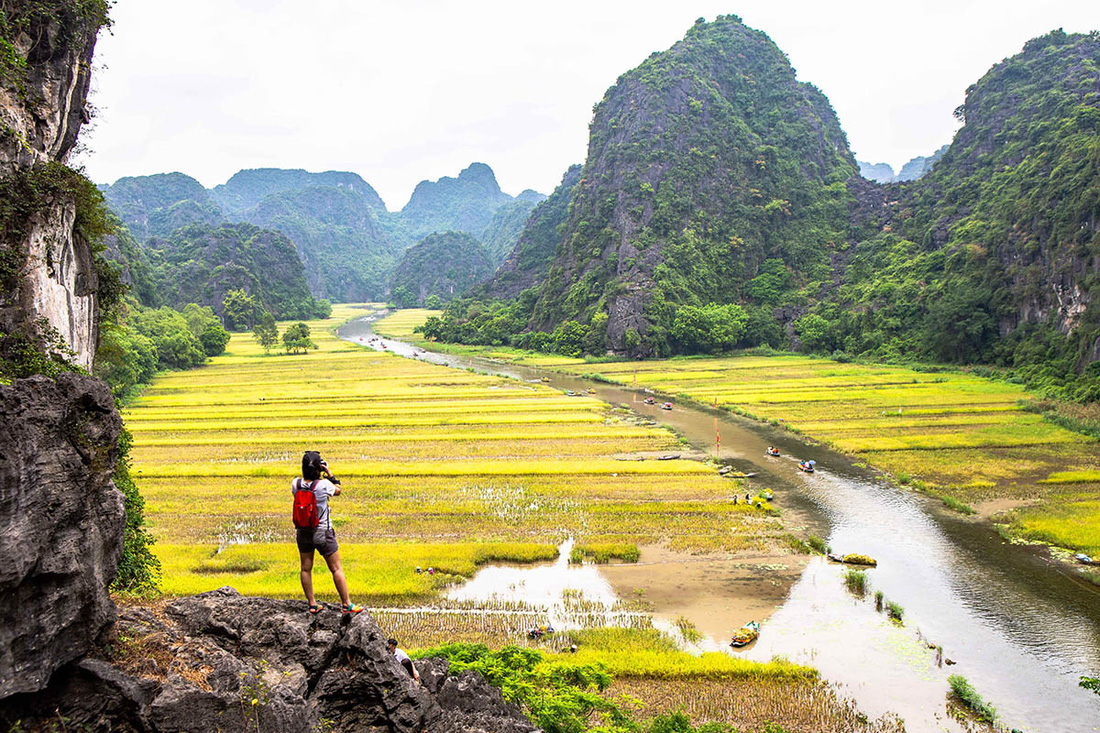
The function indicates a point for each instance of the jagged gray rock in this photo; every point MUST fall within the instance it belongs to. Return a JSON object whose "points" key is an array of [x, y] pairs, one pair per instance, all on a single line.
{"points": [[62, 524], [223, 661]]}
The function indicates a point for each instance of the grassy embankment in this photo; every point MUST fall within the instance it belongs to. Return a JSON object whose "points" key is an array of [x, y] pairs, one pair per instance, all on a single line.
{"points": [[441, 468], [963, 437]]}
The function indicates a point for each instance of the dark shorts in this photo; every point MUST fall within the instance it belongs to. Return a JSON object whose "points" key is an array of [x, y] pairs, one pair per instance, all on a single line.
{"points": [[320, 539]]}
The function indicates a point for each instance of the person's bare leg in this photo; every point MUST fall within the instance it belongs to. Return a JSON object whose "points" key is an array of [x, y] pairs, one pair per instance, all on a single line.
{"points": [[338, 578], [307, 576]]}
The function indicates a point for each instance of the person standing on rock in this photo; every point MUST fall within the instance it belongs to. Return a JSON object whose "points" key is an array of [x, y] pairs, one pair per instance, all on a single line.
{"points": [[321, 537], [403, 659]]}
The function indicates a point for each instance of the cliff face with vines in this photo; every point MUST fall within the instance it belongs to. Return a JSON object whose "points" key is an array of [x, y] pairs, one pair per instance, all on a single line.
{"points": [[47, 266]]}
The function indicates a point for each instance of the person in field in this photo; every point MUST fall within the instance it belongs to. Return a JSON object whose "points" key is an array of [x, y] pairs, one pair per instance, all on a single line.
{"points": [[403, 659], [322, 537]]}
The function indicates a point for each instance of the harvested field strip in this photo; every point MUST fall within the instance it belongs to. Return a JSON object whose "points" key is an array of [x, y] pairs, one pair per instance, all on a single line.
{"points": [[1073, 477], [578, 433], [750, 702], [379, 409], [414, 400], [353, 469], [320, 422]]}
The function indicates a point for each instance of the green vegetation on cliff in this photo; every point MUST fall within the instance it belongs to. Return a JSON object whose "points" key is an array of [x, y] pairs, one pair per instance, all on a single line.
{"points": [[715, 179], [347, 253], [443, 266], [202, 264]]}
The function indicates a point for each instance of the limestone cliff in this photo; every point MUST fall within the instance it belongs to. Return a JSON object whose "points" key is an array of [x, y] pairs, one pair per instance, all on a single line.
{"points": [[62, 522], [45, 75], [61, 517]]}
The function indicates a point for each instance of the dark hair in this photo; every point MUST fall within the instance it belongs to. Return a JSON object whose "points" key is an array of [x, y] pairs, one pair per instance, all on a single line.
{"points": [[392, 642], [311, 465]]}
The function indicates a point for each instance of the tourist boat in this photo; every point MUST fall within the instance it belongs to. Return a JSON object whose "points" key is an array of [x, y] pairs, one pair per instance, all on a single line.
{"points": [[1084, 559], [546, 379], [666, 406], [747, 634], [570, 393], [772, 451], [650, 401], [854, 559], [807, 466]]}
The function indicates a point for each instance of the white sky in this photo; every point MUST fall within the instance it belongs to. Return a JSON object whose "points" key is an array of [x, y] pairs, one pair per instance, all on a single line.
{"points": [[404, 90]]}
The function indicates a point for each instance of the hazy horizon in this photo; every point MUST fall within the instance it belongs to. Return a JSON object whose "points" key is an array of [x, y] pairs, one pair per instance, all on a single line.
{"points": [[401, 94]]}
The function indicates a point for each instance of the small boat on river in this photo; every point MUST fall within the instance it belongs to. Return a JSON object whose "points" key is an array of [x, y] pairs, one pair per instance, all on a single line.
{"points": [[666, 406], [807, 466], [854, 559], [650, 401], [1085, 559], [747, 634], [774, 452]]}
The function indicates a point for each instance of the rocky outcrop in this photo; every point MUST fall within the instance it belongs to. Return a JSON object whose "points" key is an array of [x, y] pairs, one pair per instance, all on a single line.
{"points": [[42, 107], [62, 524], [41, 114], [222, 661]]}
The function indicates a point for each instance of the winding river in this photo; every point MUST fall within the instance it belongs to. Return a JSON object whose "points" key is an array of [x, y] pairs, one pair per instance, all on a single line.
{"points": [[1021, 629]]}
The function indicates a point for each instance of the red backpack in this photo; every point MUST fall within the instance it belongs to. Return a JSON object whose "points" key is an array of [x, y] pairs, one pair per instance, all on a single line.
{"points": [[305, 506]]}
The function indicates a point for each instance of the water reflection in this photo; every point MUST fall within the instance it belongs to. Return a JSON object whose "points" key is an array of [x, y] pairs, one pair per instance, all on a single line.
{"points": [[1018, 630]]}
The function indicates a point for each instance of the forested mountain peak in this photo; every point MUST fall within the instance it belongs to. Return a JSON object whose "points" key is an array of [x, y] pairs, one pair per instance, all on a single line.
{"points": [[246, 188], [466, 203], [158, 204], [704, 162], [438, 269]]}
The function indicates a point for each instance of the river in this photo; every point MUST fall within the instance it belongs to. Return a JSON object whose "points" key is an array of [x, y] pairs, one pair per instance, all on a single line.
{"points": [[1019, 628]]}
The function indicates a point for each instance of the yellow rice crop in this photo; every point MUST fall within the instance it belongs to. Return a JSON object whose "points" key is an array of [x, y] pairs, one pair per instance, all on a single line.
{"points": [[948, 429], [429, 456]]}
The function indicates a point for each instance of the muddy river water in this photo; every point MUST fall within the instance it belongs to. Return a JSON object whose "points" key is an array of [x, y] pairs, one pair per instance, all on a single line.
{"points": [[1021, 629]]}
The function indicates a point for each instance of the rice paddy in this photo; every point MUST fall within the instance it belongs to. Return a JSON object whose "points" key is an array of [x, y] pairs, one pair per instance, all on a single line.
{"points": [[440, 468], [955, 433]]}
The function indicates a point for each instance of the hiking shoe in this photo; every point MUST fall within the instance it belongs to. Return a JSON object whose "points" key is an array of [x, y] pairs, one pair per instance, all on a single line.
{"points": [[352, 608]]}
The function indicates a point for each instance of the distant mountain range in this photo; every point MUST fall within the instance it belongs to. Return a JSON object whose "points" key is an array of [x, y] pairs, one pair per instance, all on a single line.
{"points": [[348, 242], [911, 171]]}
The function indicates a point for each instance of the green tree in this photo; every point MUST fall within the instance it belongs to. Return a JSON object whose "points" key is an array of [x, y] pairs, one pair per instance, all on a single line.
{"points": [[434, 302], [569, 338], [296, 339], [266, 332], [402, 297], [239, 310], [813, 331], [708, 329]]}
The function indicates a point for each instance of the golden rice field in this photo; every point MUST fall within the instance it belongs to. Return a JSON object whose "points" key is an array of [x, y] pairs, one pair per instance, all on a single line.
{"points": [[956, 433], [961, 434], [440, 467]]}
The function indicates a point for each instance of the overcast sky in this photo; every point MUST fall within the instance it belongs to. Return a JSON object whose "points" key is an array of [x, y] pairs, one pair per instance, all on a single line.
{"points": [[404, 90]]}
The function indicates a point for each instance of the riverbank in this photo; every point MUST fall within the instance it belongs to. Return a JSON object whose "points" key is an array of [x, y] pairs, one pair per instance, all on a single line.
{"points": [[966, 439]]}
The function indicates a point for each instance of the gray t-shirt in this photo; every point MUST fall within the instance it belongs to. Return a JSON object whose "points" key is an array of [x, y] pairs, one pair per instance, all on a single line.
{"points": [[322, 490]]}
